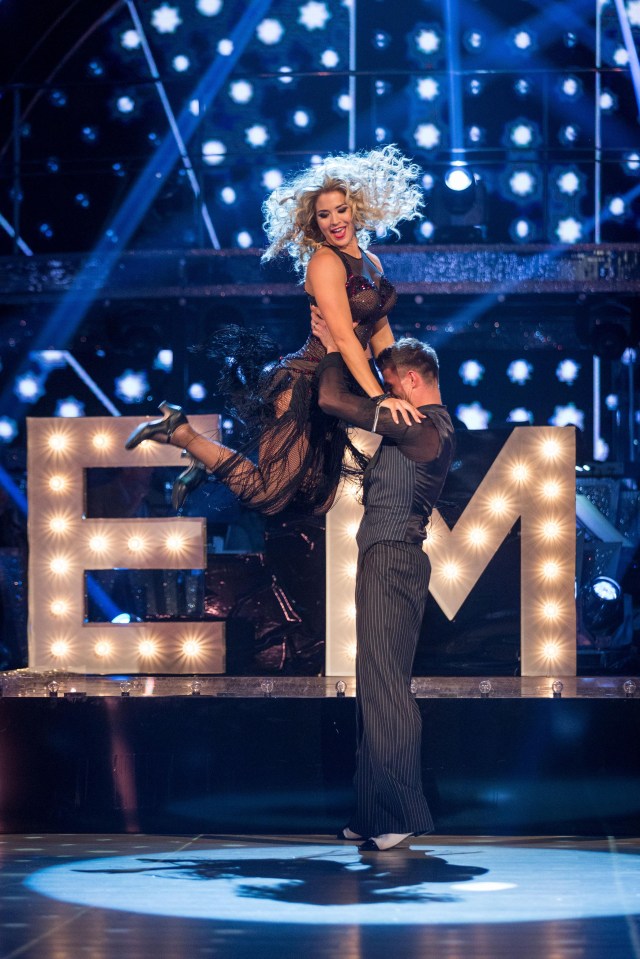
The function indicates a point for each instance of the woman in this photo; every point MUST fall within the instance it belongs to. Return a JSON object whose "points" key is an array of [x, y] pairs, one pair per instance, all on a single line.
{"points": [[322, 218]]}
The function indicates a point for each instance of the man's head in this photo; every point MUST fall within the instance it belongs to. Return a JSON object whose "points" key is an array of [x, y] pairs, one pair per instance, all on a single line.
{"points": [[410, 371]]}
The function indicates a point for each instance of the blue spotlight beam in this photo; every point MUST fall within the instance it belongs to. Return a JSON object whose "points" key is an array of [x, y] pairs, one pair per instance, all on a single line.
{"points": [[65, 319], [173, 125], [14, 491], [80, 371], [627, 36], [452, 27], [20, 243]]}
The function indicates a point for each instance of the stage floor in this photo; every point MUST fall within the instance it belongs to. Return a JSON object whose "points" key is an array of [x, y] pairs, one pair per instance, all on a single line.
{"points": [[137, 896]]}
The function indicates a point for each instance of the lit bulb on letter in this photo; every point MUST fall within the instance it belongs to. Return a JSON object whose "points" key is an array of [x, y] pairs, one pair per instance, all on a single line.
{"points": [[57, 483]]}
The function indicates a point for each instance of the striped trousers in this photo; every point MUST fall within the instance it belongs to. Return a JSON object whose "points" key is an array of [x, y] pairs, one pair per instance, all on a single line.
{"points": [[391, 592]]}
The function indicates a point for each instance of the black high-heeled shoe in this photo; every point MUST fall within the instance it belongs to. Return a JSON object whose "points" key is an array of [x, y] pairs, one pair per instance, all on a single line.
{"points": [[159, 430], [188, 481]]}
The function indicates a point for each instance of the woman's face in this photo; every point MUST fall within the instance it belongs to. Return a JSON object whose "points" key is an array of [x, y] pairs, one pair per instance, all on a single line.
{"points": [[335, 222]]}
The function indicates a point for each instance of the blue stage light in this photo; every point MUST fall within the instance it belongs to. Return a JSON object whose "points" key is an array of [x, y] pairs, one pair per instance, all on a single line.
{"points": [[181, 63], [244, 239], [475, 87], [569, 134], [427, 136], [343, 102], [8, 429], [270, 31], [314, 15], [125, 104], [520, 415], [53, 165], [474, 416], [567, 371], [522, 134], [166, 19], [602, 606], [95, 68], [228, 195], [571, 87], [132, 387], [225, 47], [209, 8], [523, 40], [621, 57], [256, 135], [197, 392], [382, 136], [301, 119], [241, 91], [49, 359], [89, 134], [521, 230], [608, 101], [69, 408], [58, 98], [522, 183], [330, 59], [428, 181], [473, 40], [381, 39], [568, 415], [285, 78], [122, 618], [427, 40], [617, 207], [272, 179], [213, 152], [519, 371], [632, 162], [569, 182], [427, 88], [569, 230], [471, 372], [522, 87], [29, 387], [164, 361], [46, 229], [612, 402], [475, 134], [426, 229], [82, 200], [130, 39]]}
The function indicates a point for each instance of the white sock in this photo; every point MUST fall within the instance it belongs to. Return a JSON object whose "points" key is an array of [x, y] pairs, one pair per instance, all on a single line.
{"points": [[390, 839]]}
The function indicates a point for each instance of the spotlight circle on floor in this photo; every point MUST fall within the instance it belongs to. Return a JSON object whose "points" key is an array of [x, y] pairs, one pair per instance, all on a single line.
{"points": [[330, 884]]}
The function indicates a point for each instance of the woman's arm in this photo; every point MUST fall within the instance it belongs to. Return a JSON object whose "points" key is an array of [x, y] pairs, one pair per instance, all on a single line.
{"points": [[382, 337], [326, 283]]}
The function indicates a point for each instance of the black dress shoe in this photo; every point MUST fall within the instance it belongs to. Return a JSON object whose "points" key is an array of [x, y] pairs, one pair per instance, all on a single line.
{"points": [[159, 430], [385, 841], [188, 481]]}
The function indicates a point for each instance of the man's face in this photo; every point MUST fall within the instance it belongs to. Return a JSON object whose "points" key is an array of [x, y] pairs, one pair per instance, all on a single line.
{"points": [[393, 383]]}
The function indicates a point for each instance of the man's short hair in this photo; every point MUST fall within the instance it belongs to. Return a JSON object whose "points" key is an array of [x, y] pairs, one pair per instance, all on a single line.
{"points": [[411, 354]]}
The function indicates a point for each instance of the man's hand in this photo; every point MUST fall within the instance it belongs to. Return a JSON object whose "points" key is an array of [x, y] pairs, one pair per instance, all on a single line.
{"points": [[406, 410], [320, 329]]}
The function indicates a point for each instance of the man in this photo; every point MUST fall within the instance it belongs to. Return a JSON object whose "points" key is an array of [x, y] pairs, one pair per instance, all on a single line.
{"points": [[401, 486]]}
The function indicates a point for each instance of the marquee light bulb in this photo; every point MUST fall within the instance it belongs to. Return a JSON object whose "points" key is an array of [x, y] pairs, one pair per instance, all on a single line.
{"points": [[175, 542], [147, 648], [103, 648], [101, 441], [551, 650], [477, 536], [191, 648], [59, 607], [135, 544], [520, 472], [59, 564], [57, 483], [352, 529], [551, 529], [351, 612], [98, 543], [58, 524], [551, 489], [551, 610], [498, 505], [550, 449], [60, 648], [57, 442], [550, 569], [451, 571]]}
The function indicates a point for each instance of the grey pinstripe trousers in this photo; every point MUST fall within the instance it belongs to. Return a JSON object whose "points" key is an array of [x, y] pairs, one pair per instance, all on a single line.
{"points": [[391, 592]]}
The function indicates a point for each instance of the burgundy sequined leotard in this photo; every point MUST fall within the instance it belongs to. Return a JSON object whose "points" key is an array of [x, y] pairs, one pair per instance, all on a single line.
{"points": [[370, 298], [293, 457]]}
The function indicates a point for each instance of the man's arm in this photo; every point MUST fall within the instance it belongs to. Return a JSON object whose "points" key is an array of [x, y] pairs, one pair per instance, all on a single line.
{"points": [[336, 399]]}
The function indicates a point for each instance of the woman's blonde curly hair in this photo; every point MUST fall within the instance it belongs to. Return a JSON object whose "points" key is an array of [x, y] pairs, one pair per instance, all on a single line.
{"points": [[379, 186]]}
